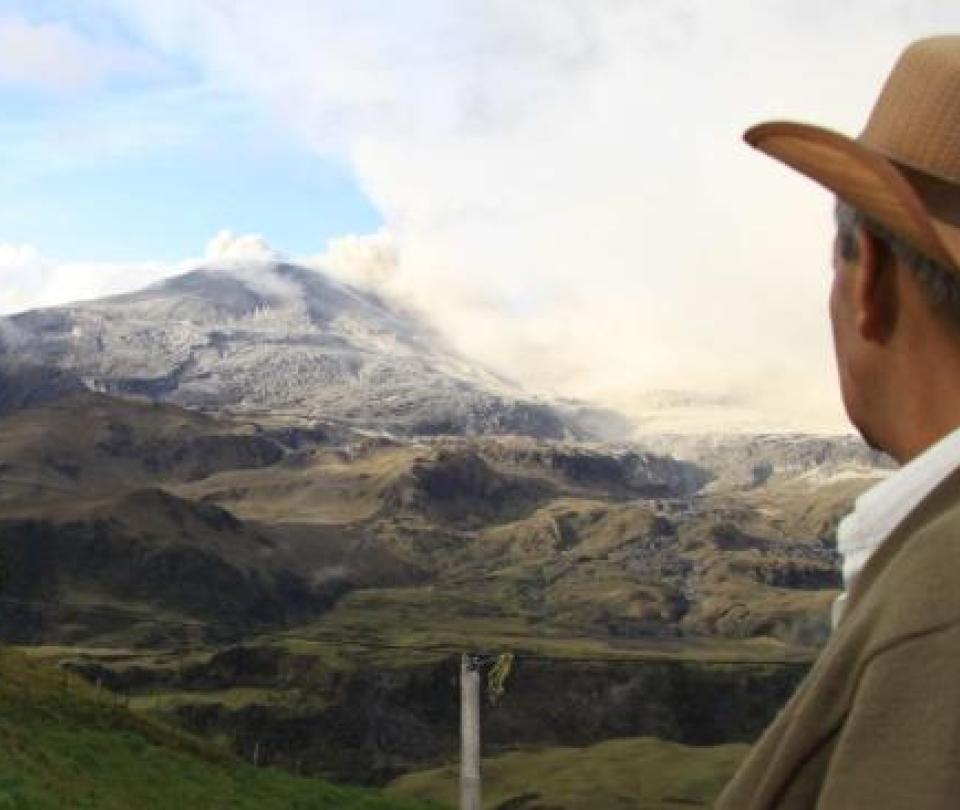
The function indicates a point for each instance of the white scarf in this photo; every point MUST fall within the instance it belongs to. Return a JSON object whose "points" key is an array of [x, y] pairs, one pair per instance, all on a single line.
{"points": [[882, 508]]}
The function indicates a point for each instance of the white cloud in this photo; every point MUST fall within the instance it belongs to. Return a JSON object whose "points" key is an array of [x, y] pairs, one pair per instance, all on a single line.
{"points": [[52, 55], [20, 268], [28, 279], [564, 180]]}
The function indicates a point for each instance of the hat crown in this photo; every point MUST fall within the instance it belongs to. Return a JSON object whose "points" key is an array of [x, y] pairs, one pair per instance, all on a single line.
{"points": [[916, 120]]}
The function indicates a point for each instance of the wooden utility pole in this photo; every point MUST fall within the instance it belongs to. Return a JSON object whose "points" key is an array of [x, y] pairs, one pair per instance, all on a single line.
{"points": [[469, 732]]}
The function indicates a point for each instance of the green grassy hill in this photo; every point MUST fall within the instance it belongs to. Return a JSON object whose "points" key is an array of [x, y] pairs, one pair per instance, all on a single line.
{"points": [[634, 774], [64, 745]]}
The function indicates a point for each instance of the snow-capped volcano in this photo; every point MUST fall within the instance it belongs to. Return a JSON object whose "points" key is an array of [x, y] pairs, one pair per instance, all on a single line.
{"points": [[258, 335]]}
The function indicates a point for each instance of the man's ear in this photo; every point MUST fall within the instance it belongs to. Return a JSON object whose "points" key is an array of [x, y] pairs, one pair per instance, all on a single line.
{"points": [[876, 298]]}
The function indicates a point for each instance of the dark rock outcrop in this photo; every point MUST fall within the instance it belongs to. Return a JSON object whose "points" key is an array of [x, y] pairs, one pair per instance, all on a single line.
{"points": [[23, 386], [381, 722]]}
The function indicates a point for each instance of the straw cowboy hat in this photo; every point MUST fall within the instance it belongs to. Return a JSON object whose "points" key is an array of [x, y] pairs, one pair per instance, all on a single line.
{"points": [[903, 172]]}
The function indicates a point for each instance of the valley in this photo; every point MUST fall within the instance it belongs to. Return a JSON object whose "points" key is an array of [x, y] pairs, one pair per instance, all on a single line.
{"points": [[307, 592]]}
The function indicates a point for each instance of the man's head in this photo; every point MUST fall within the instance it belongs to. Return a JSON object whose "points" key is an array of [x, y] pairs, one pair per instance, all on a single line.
{"points": [[939, 283], [895, 301], [895, 314]]}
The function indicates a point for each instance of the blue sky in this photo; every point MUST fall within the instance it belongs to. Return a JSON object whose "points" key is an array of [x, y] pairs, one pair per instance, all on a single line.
{"points": [[144, 159]]}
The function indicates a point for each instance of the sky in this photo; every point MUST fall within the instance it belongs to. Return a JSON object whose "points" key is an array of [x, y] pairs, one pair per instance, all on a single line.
{"points": [[560, 185]]}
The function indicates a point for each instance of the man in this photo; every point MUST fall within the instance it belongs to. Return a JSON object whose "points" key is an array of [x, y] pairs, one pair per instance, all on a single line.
{"points": [[876, 724]]}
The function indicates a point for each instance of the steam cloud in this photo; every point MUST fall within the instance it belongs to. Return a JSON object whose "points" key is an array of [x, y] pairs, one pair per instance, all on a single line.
{"points": [[369, 261], [227, 246]]}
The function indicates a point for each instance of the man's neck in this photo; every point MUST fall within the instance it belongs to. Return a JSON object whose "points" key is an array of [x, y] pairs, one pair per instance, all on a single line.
{"points": [[926, 408]]}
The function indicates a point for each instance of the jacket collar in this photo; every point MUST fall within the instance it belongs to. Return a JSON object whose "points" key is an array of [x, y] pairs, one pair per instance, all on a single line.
{"points": [[942, 497]]}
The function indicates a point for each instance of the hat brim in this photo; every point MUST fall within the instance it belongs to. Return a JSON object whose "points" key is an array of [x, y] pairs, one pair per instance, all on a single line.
{"points": [[862, 177]]}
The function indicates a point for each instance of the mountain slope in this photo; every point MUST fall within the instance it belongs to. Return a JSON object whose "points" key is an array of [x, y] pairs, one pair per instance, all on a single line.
{"points": [[238, 526], [25, 386], [63, 744], [119, 566], [168, 512], [747, 461], [86, 444], [278, 337]]}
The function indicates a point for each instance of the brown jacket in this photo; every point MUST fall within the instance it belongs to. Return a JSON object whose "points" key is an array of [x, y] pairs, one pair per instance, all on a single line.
{"points": [[876, 723]]}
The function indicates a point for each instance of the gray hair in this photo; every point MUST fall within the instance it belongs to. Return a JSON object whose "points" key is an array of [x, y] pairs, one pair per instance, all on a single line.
{"points": [[939, 284]]}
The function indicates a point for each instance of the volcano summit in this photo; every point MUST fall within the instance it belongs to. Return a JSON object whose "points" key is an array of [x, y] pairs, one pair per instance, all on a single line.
{"points": [[255, 336]]}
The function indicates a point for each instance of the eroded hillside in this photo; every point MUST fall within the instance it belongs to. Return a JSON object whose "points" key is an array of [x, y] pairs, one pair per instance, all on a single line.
{"points": [[305, 587], [240, 526]]}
